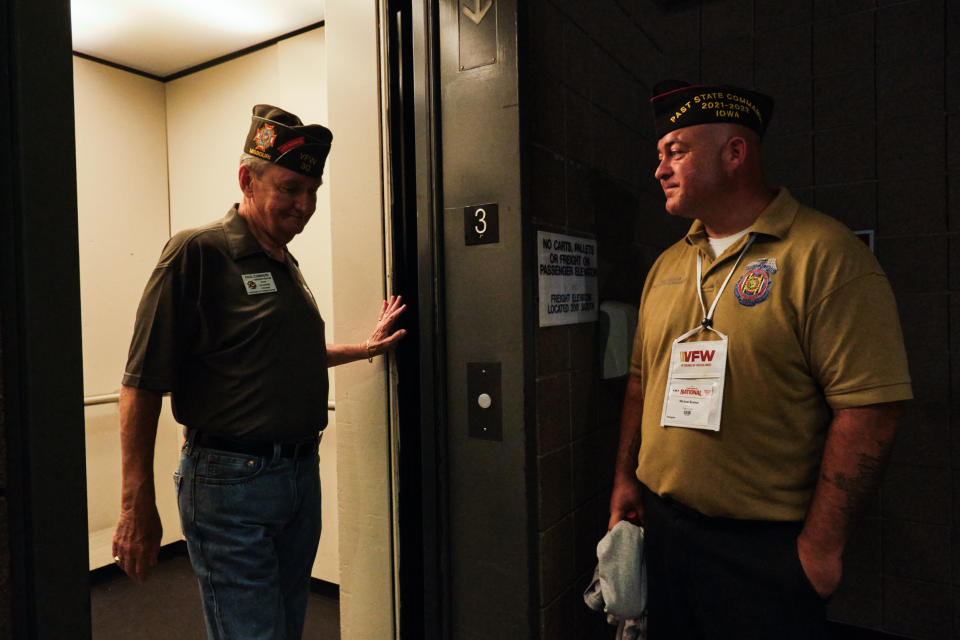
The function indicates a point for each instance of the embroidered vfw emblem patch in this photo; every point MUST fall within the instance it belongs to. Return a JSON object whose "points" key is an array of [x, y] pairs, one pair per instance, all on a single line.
{"points": [[754, 285], [265, 137]]}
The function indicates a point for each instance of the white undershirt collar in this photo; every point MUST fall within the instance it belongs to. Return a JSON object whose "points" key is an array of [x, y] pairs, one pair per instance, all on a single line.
{"points": [[719, 245]]}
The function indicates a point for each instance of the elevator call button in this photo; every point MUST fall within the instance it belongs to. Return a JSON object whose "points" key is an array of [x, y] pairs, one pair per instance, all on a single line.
{"points": [[484, 412]]}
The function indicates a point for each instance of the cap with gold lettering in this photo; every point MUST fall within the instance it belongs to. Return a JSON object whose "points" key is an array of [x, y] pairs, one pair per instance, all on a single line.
{"points": [[282, 138], [677, 104]]}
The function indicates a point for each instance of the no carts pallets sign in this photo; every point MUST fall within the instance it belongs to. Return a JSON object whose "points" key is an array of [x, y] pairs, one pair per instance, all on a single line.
{"points": [[568, 279]]}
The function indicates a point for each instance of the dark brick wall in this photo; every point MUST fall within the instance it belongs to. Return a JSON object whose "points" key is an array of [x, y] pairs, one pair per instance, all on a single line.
{"points": [[867, 129], [5, 602], [587, 161]]}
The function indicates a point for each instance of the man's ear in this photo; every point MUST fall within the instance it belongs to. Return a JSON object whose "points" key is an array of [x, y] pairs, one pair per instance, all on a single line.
{"points": [[735, 152], [245, 177]]}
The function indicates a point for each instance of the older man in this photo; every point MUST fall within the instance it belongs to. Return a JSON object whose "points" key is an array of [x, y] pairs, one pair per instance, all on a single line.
{"points": [[766, 377], [229, 327]]}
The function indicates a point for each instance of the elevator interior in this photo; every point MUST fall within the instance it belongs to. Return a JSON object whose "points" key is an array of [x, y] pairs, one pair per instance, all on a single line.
{"points": [[156, 155], [141, 177]]}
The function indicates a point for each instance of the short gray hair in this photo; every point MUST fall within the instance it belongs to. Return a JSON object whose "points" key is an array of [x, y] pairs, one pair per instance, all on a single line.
{"points": [[256, 165]]}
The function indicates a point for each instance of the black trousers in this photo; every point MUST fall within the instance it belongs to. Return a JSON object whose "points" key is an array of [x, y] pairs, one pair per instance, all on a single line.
{"points": [[717, 578]]}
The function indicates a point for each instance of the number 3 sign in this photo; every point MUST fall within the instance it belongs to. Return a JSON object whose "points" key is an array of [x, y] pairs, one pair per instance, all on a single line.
{"points": [[481, 224]]}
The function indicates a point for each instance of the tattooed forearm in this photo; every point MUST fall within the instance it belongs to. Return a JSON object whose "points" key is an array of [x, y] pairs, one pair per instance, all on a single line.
{"points": [[856, 451], [858, 487]]}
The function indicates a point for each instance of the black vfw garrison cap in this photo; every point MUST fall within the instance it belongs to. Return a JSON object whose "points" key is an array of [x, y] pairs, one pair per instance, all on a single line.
{"points": [[677, 104], [280, 137]]}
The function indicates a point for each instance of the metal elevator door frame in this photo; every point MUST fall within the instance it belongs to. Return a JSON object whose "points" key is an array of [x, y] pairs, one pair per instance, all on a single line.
{"points": [[440, 581], [42, 382], [431, 433], [414, 195]]}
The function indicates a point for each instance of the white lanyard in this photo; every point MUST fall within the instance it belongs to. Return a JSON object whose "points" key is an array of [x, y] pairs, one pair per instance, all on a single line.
{"points": [[693, 397], [707, 322]]}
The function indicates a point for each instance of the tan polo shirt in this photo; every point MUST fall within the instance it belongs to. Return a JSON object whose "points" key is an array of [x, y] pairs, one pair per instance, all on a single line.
{"points": [[812, 326]]}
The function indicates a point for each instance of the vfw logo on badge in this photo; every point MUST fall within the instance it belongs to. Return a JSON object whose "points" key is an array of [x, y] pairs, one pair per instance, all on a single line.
{"points": [[697, 356]]}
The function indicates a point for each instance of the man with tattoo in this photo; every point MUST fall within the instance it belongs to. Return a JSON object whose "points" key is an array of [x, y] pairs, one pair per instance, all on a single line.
{"points": [[766, 380]]}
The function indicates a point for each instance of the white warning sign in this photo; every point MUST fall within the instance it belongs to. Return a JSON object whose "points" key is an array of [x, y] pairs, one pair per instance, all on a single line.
{"points": [[568, 279]]}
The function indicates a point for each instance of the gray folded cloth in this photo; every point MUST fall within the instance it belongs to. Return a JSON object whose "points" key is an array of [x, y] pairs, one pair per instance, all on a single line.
{"points": [[622, 571], [619, 585]]}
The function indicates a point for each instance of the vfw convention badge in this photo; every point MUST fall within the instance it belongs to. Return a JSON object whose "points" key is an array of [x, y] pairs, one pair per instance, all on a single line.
{"points": [[694, 396], [265, 137], [754, 285]]}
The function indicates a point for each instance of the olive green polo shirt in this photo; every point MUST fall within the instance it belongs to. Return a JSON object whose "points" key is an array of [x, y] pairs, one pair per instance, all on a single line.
{"points": [[234, 335], [812, 327]]}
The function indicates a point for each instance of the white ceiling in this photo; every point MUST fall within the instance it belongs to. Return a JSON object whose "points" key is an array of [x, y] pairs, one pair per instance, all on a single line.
{"points": [[162, 37]]}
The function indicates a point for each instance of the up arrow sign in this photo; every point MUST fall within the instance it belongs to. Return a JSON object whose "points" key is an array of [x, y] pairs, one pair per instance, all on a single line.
{"points": [[478, 14]]}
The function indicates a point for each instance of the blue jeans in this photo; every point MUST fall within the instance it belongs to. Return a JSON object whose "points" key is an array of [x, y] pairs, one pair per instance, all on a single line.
{"points": [[252, 525]]}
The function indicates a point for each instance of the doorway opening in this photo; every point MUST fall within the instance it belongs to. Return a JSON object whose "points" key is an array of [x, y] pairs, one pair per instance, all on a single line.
{"points": [[39, 557]]}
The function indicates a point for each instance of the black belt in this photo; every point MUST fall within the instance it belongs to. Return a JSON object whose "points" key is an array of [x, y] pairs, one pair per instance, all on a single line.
{"points": [[302, 449], [681, 508], [720, 522]]}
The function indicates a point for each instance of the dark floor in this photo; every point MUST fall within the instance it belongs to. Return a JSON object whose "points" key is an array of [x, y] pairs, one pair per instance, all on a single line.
{"points": [[168, 605], [839, 631]]}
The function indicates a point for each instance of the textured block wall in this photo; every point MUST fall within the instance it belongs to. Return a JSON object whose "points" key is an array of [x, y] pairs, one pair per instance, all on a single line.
{"points": [[867, 129], [5, 603], [587, 172]]}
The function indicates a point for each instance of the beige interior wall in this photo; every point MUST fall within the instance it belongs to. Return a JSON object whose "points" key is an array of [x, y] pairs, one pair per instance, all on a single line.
{"points": [[366, 518], [208, 114], [122, 209]]}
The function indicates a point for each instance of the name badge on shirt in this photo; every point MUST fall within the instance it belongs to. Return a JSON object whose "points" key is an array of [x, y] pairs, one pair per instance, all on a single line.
{"points": [[257, 283], [694, 396]]}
